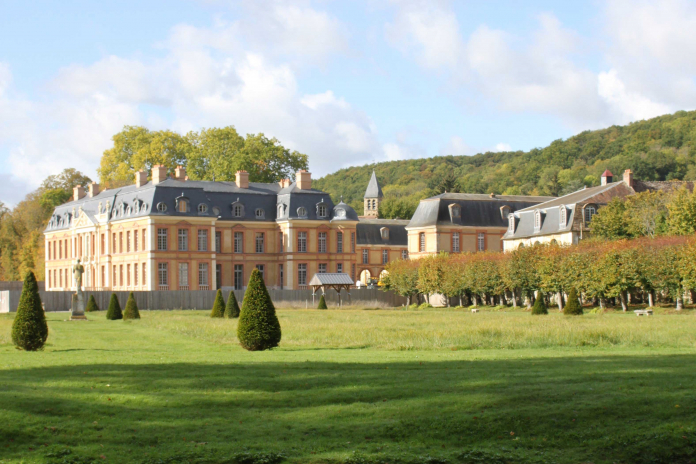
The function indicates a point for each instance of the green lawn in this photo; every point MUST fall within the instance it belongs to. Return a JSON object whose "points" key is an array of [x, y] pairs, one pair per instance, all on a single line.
{"points": [[383, 386]]}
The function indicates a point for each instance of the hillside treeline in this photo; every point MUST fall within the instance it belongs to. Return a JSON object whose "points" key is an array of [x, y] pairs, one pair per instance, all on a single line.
{"points": [[662, 148]]}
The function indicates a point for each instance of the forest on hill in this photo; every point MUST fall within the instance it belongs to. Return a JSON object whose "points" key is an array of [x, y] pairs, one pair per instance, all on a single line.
{"points": [[662, 148]]}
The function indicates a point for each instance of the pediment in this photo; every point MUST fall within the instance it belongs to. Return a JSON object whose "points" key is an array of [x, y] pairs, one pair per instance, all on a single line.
{"points": [[83, 221]]}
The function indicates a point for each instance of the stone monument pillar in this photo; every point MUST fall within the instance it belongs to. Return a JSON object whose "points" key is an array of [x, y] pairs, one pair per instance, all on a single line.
{"points": [[78, 300]]}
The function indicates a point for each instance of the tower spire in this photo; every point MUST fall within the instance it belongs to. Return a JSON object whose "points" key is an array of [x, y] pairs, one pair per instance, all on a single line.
{"points": [[373, 197]]}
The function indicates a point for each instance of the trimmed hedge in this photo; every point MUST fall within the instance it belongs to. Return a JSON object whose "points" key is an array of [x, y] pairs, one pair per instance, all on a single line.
{"points": [[91, 305], [232, 308], [114, 311], [29, 329], [218, 306], [258, 327], [572, 307], [539, 307], [322, 303], [131, 311]]}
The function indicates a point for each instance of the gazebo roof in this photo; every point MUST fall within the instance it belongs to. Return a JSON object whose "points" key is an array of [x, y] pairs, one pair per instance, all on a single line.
{"points": [[331, 278]]}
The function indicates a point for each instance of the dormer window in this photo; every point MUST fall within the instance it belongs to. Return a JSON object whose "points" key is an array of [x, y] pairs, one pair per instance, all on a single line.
{"points": [[505, 211], [537, 220], [182, 205], [384, 232], [280, 210], [302, 212], [590, 211], [321, 210], [216, 210], [202, 208], [259, 213], [339, 213], [237, 209], [563, 216], [161, 207], [455, 211], [511, 223]]}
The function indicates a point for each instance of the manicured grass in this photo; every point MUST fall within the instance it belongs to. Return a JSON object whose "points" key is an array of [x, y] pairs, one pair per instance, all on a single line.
{"points": [[354, 386]]}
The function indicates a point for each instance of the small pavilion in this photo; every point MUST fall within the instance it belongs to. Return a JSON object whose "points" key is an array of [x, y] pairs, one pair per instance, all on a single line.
{"points": [[336, 280]]}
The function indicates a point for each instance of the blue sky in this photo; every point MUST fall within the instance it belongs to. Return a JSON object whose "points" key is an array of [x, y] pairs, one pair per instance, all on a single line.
{"points": [[345, 82]]}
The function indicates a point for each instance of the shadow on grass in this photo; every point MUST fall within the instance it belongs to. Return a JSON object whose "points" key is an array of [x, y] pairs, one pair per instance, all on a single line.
{"points": [[569, 409]]}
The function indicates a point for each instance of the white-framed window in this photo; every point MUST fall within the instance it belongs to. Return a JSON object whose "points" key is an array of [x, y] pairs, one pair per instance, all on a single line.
{"points": [[481, 241], [202, 240], [161, 239], [322, 268], [421, 242], [202, 208], [162, 276], [301, 274], [238, 210], [352, 242], [589, 212], [259, 213], [455, 242], [182, 206], [511, 223], [365, 256], [302, 242], [202, 274], [301, 211], [218, 241], [385, 256], [537, 220], [135, 241], [321, 248], [144, 274], [404, 254], [339, 267], [384, 232], [238, 276], [321, 211], [183, 239], [456, 211], [161, 207], [183, 275], [260, 239], [563, 215], [339, 242], [239, 242]]}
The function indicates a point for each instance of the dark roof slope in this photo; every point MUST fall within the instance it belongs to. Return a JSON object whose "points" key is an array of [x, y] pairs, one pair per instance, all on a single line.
{"points": [[369, 232], [577, 196]]}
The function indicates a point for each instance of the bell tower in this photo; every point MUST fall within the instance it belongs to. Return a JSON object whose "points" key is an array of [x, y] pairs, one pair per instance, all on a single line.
{"points": [[373, 198]]}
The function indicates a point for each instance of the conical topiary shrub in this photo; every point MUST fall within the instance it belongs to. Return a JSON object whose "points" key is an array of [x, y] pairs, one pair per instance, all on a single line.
{"points": [[322, 303], [91, 305], [219, 305], [539, 307], [572, 307], [258, 327], [114, 311], [131, 311], [232, 308], [29, 329]]}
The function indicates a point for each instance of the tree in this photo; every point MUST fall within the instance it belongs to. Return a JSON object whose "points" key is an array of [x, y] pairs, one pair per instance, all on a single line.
{"points": [[539, 307], [431, 270], [131, 311], [646, 214], [322, 303], [258, 328], [401, 278], [29, 328], [610, 221], [572, 307], [682, 213], [232, 308], [114, 311], [91, 305], [218, 306]]}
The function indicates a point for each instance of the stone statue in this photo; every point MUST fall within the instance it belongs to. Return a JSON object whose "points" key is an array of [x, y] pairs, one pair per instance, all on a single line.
{"points": [[78, 300]]}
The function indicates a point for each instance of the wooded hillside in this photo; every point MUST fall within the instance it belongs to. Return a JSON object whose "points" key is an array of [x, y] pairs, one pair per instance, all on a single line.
{"points": [[662, 148]]}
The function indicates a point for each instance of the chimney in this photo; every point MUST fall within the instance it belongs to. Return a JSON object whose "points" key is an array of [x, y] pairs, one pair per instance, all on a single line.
{"points": [[284, 183], [93, 189], [141, 178], [492, 195], [78, 193], [180, 173], [628, 177], [159, 174], [242, 179], [303, 179], [607, 177]]}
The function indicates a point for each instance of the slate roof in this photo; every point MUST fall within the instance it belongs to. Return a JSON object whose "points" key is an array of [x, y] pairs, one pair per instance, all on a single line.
{"points": [[368, 232], [132, 202], [373, 188], [576, 197], [331, 278], [477, 210]]}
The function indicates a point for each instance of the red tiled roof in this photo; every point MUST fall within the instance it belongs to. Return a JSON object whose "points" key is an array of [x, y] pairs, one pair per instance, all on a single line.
{"points": [[607, 173]]}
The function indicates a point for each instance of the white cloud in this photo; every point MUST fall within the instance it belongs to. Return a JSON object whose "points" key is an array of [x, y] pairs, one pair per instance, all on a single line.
{"points": [[628, 106], [457, 147], [503, 147]]}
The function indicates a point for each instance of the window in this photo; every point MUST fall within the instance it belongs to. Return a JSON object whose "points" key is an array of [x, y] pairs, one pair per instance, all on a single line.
{"points": [[183, 240], [321, 247], [281, 275], [60, 250], [301, 274], [339, 242], [280, 210], [216, 210], [302, 211], [384, 233], [49, 279], [237, 210], [161, 207], [282, 241], [120, 275], [183, 276], [182, 206], [563, 215], [302, 242], [238, 276], [339, 213], [202, 240], [114, 282], [352, 272], [352, 242], [456, 211], [128, 241], [589, 212], [421, 242], [259, 242], [120, 242], [135, 240], [103, 277], [161, 239], [218, 242], [385, 256], [322, 268], [239, 242], [511, 223], [144, 275], [259, 213], [162, 275], [321, 211], [143, 239], [537, 220], [135, 275], [128, 275], [339, 267], [455, 242], [202, 208], [481, 241], [404, 254], [202, 275], [260, 268], [366, 256]]}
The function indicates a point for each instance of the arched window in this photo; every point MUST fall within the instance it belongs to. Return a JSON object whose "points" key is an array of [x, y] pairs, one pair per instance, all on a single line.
{"points": [[202, 208], [259, 213], [237, 210], [421, 242], [321, 210], [537, 220], [384, 232], [511, 223], [280, 210], [301, 211], [161, 207], [182, 206], [589, 212], [563, 216]]}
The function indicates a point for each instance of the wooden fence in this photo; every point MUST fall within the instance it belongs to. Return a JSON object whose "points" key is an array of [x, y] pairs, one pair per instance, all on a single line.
{"points": [[183, 299]]}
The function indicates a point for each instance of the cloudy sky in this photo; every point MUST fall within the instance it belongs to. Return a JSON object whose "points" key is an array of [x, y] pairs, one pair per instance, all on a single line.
{"points": [[346, 82]]}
